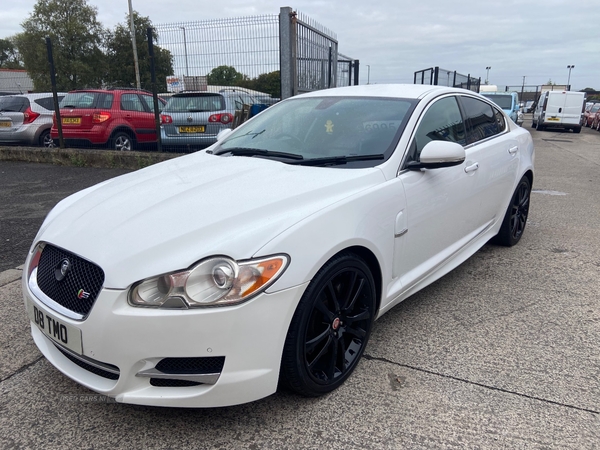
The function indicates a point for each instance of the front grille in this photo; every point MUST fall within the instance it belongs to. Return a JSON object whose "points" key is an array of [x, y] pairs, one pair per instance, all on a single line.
{"points": [[212, 364], [91, 365], [79, 288], [160, 382]]}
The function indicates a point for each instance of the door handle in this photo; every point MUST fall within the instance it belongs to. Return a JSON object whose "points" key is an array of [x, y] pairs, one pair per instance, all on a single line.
{"points": [[472, 168], [513, 150]]}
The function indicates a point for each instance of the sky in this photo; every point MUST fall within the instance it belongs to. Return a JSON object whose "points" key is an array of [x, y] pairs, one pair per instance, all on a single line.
{"points": [[394, 38]]}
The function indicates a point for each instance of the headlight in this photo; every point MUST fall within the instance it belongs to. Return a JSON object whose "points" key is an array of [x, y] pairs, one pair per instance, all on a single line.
{"points": [[217, 281]]}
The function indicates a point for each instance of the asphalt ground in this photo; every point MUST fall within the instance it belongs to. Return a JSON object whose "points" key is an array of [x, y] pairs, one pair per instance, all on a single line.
{"points": [[500, 353]]}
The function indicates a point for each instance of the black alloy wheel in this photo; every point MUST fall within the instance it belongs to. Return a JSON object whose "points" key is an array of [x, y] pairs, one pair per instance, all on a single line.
{"points": [[515, 218], [330, 328]]}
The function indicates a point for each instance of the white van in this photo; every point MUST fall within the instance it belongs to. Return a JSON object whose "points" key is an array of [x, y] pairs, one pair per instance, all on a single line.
{"points": [[560, 109]]}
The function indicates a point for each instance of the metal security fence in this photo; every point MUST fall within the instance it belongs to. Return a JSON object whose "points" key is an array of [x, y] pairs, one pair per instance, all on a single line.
{"points": [[230, 52], [281, 55], [442, 77], [15, 81]]}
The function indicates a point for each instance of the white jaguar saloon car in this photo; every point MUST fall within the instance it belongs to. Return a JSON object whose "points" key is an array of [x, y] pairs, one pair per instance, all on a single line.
{"points": [[263, 261]]}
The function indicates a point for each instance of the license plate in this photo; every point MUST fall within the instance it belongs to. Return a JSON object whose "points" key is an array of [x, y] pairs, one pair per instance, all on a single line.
{"points": [[71, 120], [60, 332], [198, 129], [556, 119], [4, 124]]}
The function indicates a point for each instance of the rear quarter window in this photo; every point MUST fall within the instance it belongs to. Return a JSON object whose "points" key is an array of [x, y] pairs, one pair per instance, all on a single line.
{"points": [[48, 102]]}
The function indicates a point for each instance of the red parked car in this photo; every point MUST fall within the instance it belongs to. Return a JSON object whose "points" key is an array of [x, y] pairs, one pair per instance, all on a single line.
{"points": [[589, 114], [121, 119]]}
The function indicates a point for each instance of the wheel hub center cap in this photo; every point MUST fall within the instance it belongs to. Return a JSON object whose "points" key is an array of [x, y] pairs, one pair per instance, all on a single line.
{"points": [[336, 323]]}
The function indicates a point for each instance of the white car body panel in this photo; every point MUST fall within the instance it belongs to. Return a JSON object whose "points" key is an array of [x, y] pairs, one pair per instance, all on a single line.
{"points": [[411, 226]]}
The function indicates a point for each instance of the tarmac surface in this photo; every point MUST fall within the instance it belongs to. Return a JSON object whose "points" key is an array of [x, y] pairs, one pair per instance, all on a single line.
{"points": [[502, 353]]}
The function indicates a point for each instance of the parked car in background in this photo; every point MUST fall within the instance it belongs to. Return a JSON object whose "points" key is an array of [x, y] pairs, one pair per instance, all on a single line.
{"points": [[121, 119], [509, 102], [528, 106], [27, 118], [208, 280], [194, 119], [589, 114], [559, 109], [596, 121]]}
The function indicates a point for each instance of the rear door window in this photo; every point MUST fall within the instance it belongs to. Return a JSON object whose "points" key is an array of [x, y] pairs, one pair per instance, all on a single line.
{"points": [[132, 102], [480, 118]]}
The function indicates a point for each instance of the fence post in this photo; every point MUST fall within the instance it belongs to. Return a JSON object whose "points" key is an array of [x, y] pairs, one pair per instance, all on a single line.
{"points": [[61, 142], [356, 67], [287, 52], [154, 93]]}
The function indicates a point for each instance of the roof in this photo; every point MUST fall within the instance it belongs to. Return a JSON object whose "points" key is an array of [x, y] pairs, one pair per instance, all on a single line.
{"points": [[15, 81]]}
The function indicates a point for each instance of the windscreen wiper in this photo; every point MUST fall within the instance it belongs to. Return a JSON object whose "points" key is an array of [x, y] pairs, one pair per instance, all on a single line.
{"points": [[198, 110], [243, 151], [336, 160]]}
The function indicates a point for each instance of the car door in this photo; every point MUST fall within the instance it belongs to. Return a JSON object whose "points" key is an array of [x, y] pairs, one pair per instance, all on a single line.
{"points": [[439, 216], [492, 146], [138, 115]]}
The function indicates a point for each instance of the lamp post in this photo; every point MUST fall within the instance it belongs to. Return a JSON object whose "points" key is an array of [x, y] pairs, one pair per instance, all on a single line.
{"points": [[135, 55], [185, 51], [569, 79], [487, 77]]}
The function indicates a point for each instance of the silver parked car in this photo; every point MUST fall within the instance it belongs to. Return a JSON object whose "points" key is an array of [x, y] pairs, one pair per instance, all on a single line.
{"points": [[27, 118], [194, 119]]}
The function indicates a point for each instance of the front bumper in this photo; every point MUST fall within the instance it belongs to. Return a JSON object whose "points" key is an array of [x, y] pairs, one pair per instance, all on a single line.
{"points": [[134, 340]]}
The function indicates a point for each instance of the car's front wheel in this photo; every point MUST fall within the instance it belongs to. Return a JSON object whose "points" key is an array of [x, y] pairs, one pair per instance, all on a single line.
{"points": [[330, 328], [121, 141], [515, 218]]}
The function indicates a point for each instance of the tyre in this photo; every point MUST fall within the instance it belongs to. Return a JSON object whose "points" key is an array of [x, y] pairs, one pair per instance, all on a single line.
{"points": [[46, 140], [515, 218], [121, 141], [577, 130], [330, 328], [539, 126], [532, 123]]}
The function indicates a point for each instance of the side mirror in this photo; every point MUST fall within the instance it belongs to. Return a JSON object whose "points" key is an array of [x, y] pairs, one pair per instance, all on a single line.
{"points": [[438, 154]]}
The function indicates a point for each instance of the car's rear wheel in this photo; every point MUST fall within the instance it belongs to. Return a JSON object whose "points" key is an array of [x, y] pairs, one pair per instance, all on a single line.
{"points": [[121, 141], [515, 218], [330, 328], [46, 140], [577, 130]]}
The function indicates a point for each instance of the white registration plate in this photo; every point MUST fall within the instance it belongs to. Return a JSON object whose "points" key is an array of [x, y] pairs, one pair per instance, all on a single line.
{"points": [[57, 330]]}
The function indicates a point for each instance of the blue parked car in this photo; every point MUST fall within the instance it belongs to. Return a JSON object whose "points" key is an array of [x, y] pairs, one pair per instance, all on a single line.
{"points": [[509, 102]]}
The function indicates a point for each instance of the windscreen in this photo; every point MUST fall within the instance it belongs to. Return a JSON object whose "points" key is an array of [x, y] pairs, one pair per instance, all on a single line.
{"points": [[195, 103], [326, 127], [13, 104]]}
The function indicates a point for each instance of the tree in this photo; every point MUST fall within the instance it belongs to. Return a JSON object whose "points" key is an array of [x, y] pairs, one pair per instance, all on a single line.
{"points": [[121, 66], [77, 41], [9, 55], [269, 83], [225, 76]]}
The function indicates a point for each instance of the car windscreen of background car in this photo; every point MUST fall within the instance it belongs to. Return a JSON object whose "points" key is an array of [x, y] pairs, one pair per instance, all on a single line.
{"points": [[85, 100], [13, 104], [328, 126], [195, 103], [503, 101]]}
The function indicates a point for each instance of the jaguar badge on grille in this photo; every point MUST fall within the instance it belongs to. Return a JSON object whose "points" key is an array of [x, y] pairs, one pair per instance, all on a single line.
{"points": [[61, 270]]}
